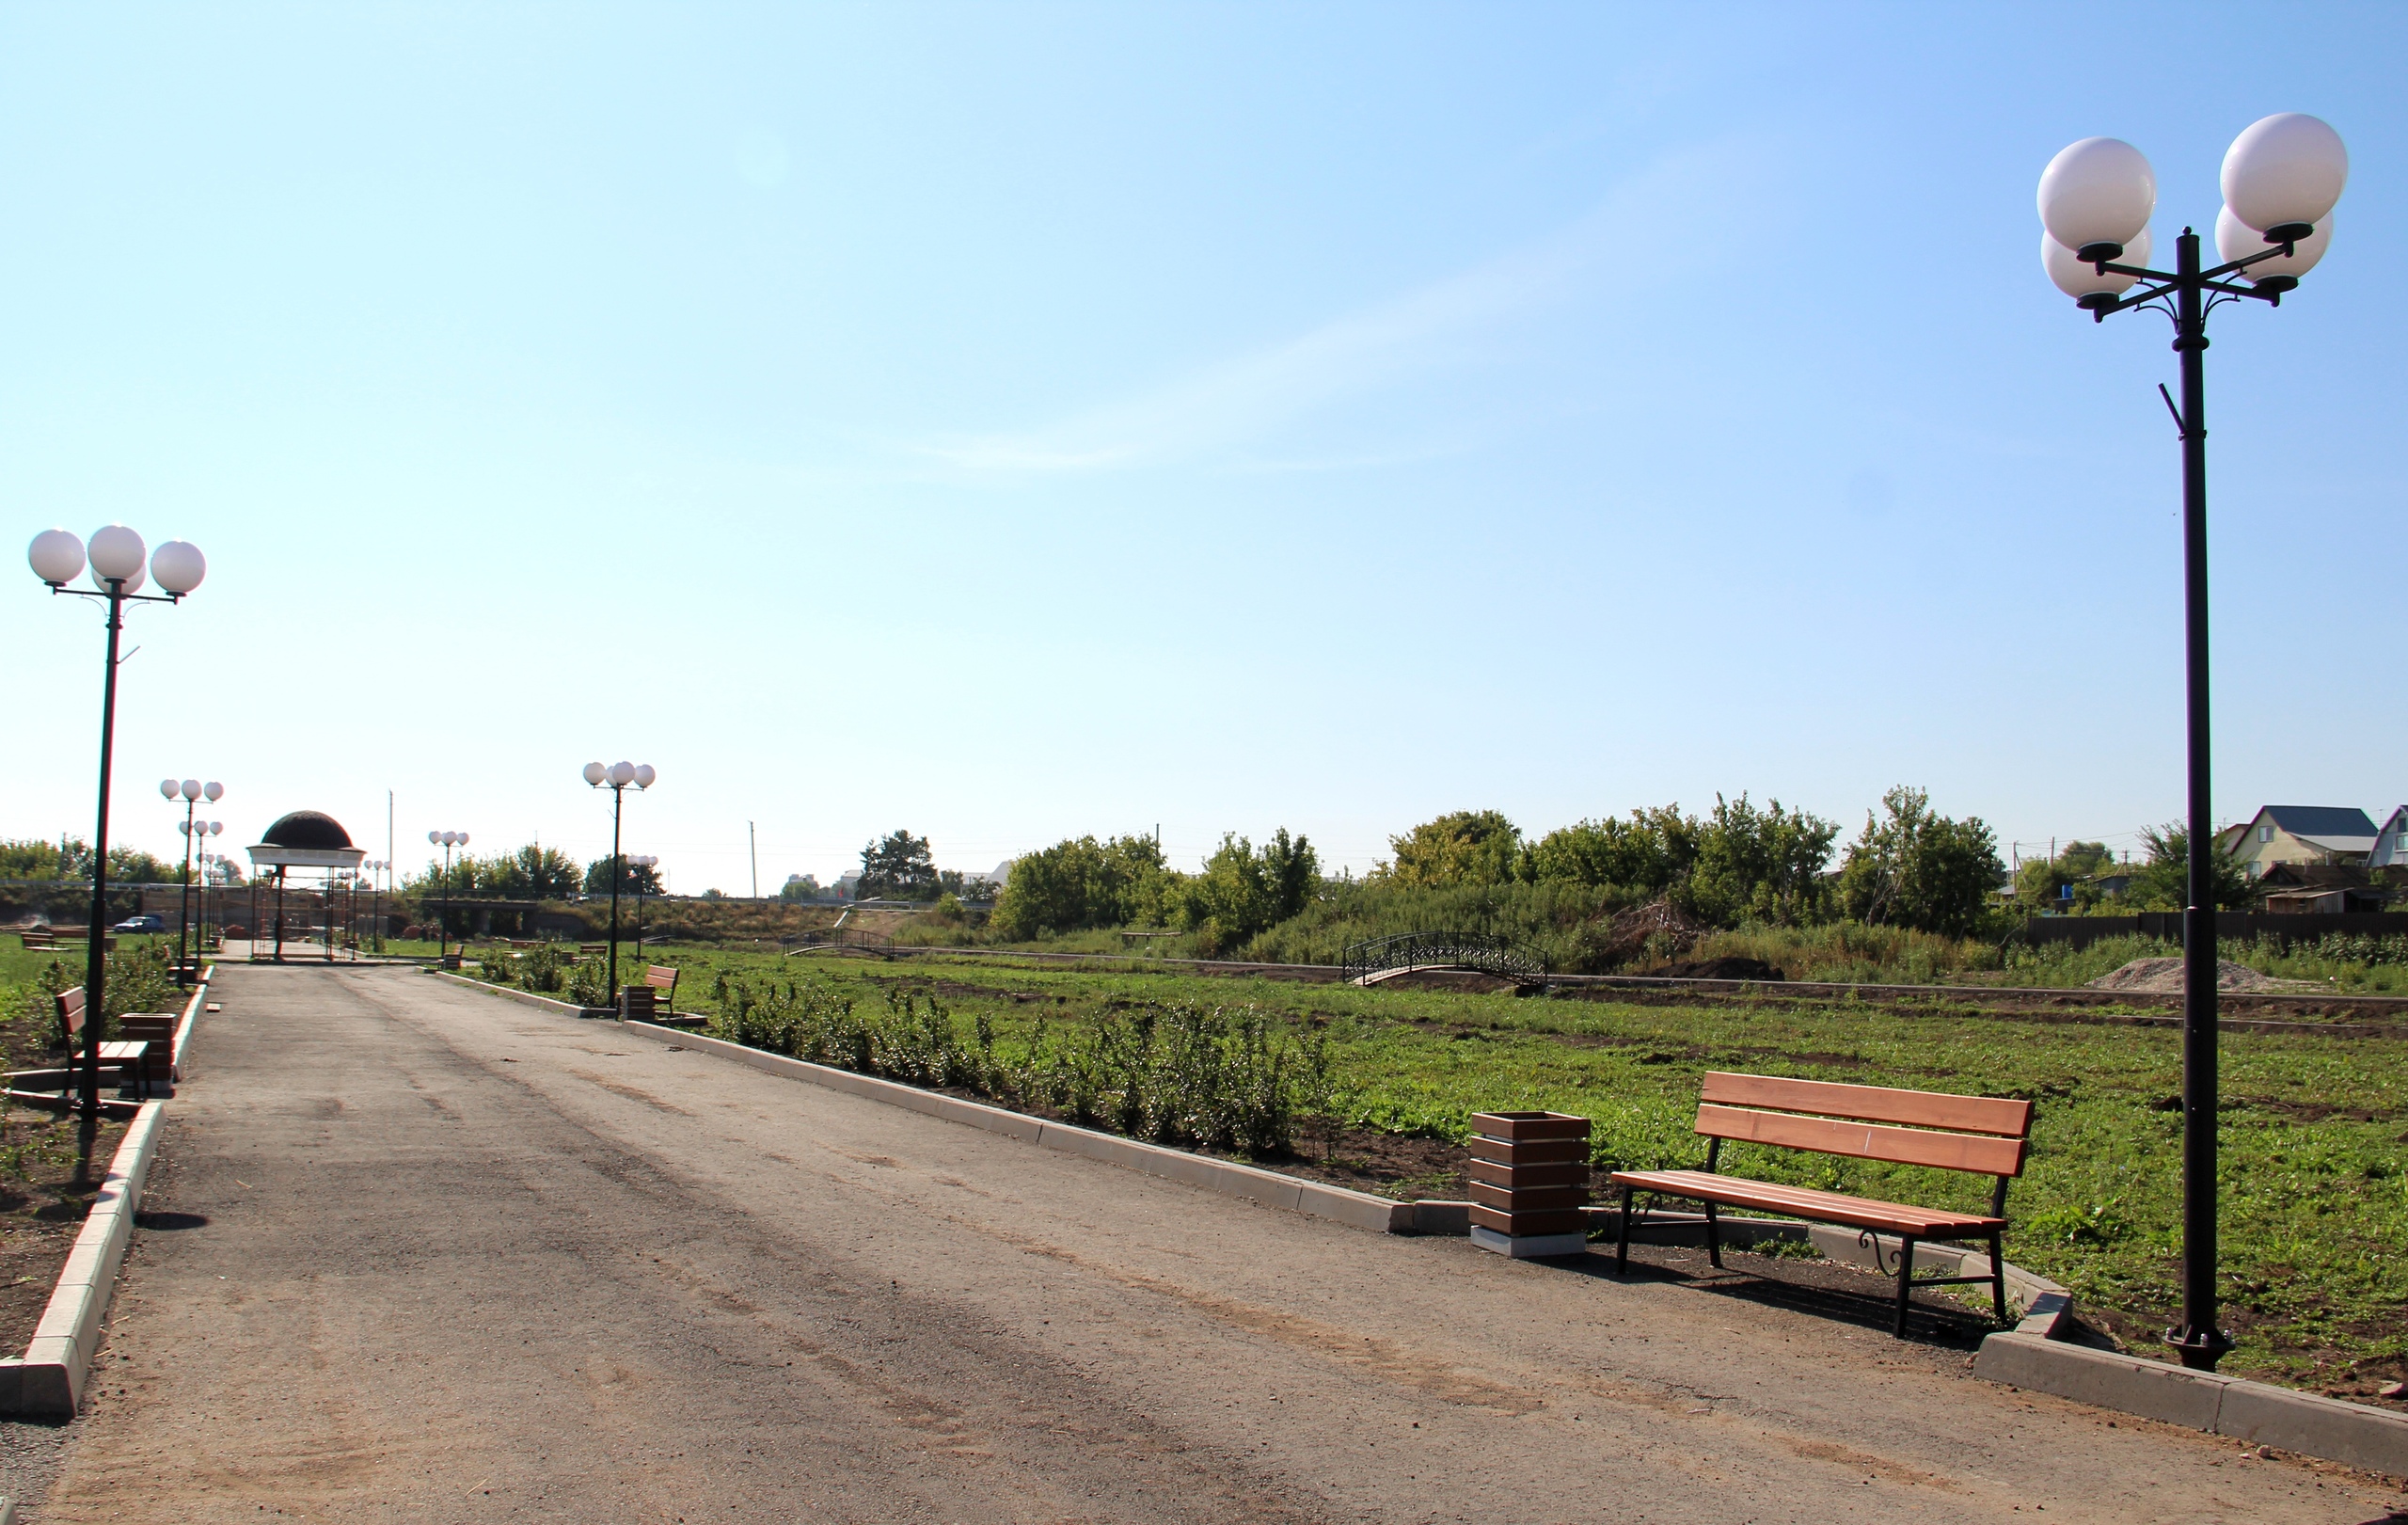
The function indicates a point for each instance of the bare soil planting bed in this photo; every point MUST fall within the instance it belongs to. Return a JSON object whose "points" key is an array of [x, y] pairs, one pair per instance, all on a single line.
{"points": [[51, 1165]]}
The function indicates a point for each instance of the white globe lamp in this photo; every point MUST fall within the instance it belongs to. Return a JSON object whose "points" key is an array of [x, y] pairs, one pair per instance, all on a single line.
{"points": [[56, 557], [2283, 173], [178, 566], [2096, 197]]}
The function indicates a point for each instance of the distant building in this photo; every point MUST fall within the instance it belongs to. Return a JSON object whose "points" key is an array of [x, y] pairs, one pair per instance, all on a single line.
{"points": [[988, 885], [2320, 887], [2304, 834], [2391, 842]]}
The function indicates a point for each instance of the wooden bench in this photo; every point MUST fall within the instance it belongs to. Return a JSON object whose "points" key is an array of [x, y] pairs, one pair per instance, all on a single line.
{"points": [[1981, 1135], [654, 995], [70, 1006], [593, 950], [131, 1057]]}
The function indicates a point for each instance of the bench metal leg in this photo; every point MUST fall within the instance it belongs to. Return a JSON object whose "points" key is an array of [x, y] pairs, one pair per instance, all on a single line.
{"points": [[1905, 1282], [1998, 1277], [1713, 1239], [1622, 1250]]}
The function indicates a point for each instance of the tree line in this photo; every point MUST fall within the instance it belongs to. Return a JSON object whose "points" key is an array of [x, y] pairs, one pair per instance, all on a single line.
{"points": [[1739, 862]]}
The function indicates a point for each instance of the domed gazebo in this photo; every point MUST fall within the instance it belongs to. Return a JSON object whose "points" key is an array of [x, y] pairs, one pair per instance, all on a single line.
{"points": [[305, 839]]}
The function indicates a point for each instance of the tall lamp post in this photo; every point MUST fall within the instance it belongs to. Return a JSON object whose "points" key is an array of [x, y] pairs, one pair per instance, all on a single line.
{"points": [[2281, 178], [616, 777], [448, 840], [376, 901], [645, 861], [115, 555], [191, 791]]}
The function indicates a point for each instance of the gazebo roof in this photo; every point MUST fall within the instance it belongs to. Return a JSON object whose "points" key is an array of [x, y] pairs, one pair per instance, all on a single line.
{"points": [[306, 840]]}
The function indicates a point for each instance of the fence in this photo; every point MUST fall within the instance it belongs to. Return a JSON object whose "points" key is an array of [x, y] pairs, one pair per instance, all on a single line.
{"points": [[2231, 927]]}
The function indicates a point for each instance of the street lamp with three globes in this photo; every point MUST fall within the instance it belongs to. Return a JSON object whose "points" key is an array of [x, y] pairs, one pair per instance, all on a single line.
{"points": [[616, 777], [114, 556]]}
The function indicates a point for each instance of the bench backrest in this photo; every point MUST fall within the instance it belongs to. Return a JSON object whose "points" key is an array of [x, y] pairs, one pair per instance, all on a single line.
{"points": [[71, 1008], [1981, 1134], [661, 977]]}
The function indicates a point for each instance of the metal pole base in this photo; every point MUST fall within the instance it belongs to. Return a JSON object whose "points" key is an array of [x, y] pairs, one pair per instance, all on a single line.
{"points": [[2198, 1349]]}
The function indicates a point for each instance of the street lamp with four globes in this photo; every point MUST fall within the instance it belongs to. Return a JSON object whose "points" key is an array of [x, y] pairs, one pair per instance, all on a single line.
{"points": [[114, 556], [2281, 178], [191, 791]]}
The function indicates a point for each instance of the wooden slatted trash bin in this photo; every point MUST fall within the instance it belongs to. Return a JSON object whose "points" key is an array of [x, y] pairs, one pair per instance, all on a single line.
{"points": [[1529, 1179]]}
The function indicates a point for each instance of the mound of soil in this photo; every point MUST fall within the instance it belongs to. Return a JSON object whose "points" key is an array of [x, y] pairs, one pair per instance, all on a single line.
{"points": [[1726, 968], [1627, 934], [2164, 977]]}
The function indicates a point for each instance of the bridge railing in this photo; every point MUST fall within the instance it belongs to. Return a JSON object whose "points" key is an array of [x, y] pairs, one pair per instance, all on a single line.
{"points": [[1488, 954]]}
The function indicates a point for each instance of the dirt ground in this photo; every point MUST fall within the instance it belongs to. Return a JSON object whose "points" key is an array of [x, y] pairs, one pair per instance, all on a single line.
{"points": [[49, 1168]]}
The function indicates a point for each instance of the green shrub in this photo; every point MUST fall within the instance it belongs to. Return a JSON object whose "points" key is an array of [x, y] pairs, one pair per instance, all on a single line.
{"points": [[1175, 1073]]}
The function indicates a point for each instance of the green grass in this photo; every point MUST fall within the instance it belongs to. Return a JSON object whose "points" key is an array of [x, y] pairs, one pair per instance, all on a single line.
{"points": [[2315, 1161]]}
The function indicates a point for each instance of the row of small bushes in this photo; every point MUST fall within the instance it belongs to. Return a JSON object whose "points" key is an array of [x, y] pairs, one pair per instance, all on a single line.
{"points": [[548, 969], [1175, 1073]]}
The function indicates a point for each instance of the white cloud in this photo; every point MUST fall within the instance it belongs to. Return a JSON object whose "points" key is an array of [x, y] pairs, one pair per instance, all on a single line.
{"points": [[1678, 202]]}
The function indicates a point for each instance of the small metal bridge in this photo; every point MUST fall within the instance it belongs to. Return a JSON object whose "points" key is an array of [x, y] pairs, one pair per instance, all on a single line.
{"points": [[1364, 962], [843, 939]]}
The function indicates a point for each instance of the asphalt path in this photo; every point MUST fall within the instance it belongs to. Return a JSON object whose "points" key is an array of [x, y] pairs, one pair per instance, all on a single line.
{"points": [[417, 1253]]}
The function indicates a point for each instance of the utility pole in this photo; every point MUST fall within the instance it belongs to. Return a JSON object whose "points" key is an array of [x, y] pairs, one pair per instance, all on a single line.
{"points": [[753, 843]]}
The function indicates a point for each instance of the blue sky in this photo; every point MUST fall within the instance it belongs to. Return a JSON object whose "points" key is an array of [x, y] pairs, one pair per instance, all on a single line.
{"points": [[1015, 421]]}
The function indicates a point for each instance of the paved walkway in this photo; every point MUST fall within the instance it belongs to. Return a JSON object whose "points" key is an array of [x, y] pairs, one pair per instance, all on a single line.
{"points": [[423, 1254]]}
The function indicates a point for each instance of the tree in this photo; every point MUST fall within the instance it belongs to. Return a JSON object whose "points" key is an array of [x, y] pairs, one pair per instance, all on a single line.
{"points": [[1647, 853], [2038, 881], [1763, 864], [1082, 882], [1242, 892], [2164, 883], [1919, 870], [634, 878], [800, 888], [70, 858], [1468, 847], [532, 873], [898, 866]]}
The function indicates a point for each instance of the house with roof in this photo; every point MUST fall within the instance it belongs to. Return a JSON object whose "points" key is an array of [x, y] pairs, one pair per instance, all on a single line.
{"points": [[2320, 887], [2321, 834], [2391, 842]]}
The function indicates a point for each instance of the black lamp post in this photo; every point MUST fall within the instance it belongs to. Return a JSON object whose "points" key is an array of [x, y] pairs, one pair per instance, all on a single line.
{"points": [[2281, 178], [116, 556], [616, 777], [191, 791], [377, 904], [448, 840], [643, 879]]}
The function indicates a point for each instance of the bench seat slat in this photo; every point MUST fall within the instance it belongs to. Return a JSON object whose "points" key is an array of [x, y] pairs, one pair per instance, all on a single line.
{"points": [[1808, 1203], [2008, 1117], [1866, 1140]]}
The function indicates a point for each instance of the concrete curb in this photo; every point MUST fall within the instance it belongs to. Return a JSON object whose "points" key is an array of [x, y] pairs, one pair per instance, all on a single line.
{"points": [[2349, 1433], [565, 1008], [184, 1033], [48, 1380], [1268, 1189]]}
